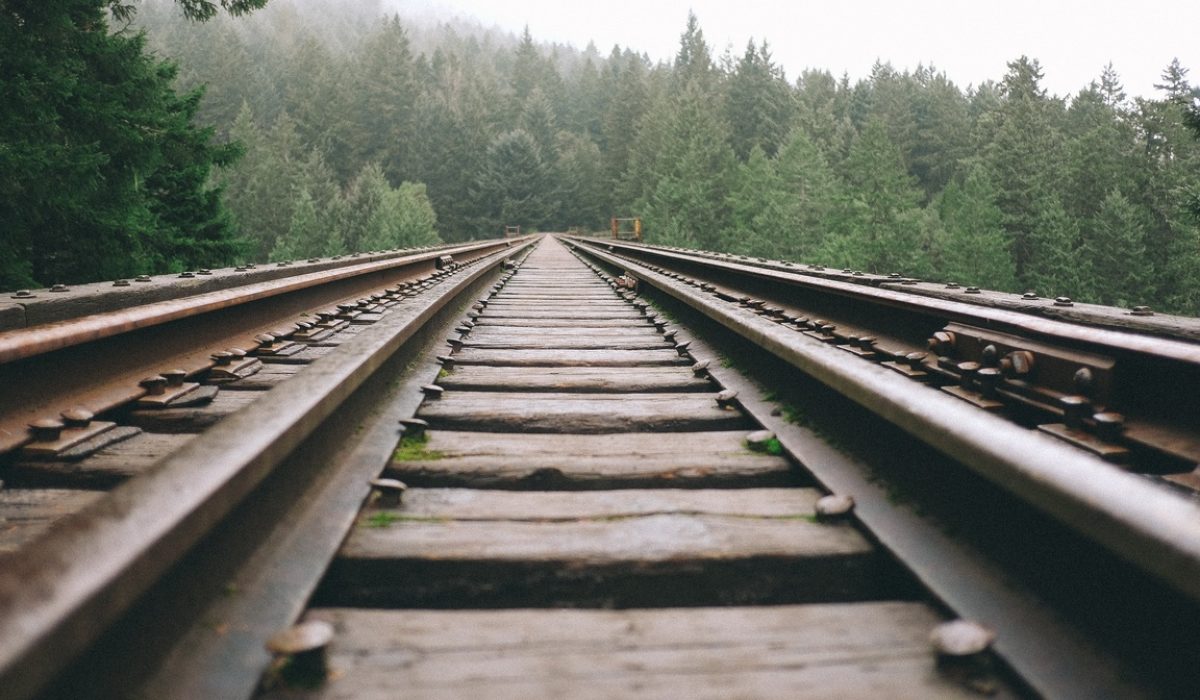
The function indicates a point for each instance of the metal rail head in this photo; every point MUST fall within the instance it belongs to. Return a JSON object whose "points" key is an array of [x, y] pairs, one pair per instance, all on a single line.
{"points": [[1156, 529], [59, 595]]}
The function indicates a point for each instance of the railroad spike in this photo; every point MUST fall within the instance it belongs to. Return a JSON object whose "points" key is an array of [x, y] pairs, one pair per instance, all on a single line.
{"points": [[304, 647]]}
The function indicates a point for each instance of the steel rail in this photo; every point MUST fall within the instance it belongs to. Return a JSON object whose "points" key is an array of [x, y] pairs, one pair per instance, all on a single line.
{"points": [[1155, 529], [37, 340], [60, 594], [1014, 321], [101, 358]]}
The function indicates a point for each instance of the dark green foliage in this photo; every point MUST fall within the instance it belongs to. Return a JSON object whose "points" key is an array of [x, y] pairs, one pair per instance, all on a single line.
{"points": [[102, 173], [357, 128]]}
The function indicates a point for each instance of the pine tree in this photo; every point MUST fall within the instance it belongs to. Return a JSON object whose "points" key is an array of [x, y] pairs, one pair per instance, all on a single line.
{"points": [[515, 184], [758, 103], [811, 193], [973, 247], [102, 171], [1117, 252]]}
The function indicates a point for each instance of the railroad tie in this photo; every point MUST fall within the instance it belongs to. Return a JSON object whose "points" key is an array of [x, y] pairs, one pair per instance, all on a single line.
{"points": [[585, 517]]}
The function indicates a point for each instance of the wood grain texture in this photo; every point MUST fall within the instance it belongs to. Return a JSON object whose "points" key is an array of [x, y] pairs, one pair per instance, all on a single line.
{"points": [[103, 470], [569, 462], [574, 379], [863, 650], [474, 548], [27, 513], [579, 413], [571, 358], [192, 420]]}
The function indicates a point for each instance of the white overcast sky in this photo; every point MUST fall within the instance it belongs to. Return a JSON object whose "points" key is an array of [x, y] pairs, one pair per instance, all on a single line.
{"points": [[971, 40]]}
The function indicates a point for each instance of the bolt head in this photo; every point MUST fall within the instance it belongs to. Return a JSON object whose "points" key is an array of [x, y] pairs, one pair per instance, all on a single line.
{"points": [[726, 397], [1141, 311], [302, 638], [1063, 301], [77, 417], [834, 506], [959, 638], [973, 290], [759, 440], [120, 283]]}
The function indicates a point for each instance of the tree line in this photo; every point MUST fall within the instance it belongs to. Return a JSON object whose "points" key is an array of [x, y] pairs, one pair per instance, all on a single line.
{"points": [[354, 128]]}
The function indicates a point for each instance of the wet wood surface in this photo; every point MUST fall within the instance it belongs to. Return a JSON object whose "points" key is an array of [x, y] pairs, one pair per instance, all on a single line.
{"points": [[580, 413], [862, 650], [572, 461], [27, 513], [574, 379]]}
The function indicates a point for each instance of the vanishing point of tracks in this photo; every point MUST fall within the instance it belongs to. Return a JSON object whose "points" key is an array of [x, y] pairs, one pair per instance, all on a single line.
{"points": [[535, 468]]}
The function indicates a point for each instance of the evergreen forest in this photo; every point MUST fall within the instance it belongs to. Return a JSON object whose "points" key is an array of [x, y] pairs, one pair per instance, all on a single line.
{"points": [[172, 134]]}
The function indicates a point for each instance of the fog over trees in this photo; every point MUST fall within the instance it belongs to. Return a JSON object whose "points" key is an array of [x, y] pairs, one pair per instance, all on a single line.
{"points": [[324, 127]]}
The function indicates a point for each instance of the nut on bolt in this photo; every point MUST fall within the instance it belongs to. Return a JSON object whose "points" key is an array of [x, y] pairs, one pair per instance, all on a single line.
{"points": [[414, 427], [760, 440], [726, 397], [304, 647], [942, 343], [391, 492], [960, 639], [46, 429], [834, 507], [77, 417]]}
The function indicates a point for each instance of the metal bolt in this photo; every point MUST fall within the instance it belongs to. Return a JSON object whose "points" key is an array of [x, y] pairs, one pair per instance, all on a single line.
{"points": [[942, 343], [240, 268], [154, 386], [700, 369], [915, 360], [1063, 301], [432, 391], [46, 429], [952, 285], [222, 358], [305, 646], [60, 288], [966, 373], [455, 344], [726, 398], [414, 427], [313, 260], [1018, 363], [894, 275], [867, 342], [174, 377], [120, 283], [670, 335], [990, 355], [857, 273], [682, 348], [264, 339], [1030, 295], [759, 440], [1084, 381], [204, 271], [237, 353], [834, 507], [189, 275], [23, 294], [1142, 311], [961, 638], [390, 491], [142, 278], [1074, 409], [989, 380], [77, 417], [1109, 425], [973, 290], [446, 361]]}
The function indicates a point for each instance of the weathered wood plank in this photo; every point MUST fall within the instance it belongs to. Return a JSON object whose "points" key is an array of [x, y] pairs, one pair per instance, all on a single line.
{"points": [[105, 469], [861, 650], [27, 513], [571, 358], [574, 379], [468, 547], [580, 413], [483, 321], [633, 460], [651, 342], [632, 330], [269, 376], [580, 314], [192, 420]]}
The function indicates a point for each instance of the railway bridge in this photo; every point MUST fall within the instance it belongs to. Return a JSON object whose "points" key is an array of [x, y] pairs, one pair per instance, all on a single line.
{"points": [[564, 466]]}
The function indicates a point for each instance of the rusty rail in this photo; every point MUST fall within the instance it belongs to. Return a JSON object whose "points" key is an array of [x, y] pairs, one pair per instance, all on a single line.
{"points": [[86, 573], [1156, 528]]}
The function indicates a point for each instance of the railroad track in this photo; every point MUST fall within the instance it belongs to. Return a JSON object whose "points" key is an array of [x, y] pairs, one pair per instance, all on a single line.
{"points": [[591, 500]]}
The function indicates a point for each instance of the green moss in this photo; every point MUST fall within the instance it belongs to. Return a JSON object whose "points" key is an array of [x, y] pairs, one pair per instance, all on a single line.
{"points": [[387, 518], [413, 449], [443, 373]]}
